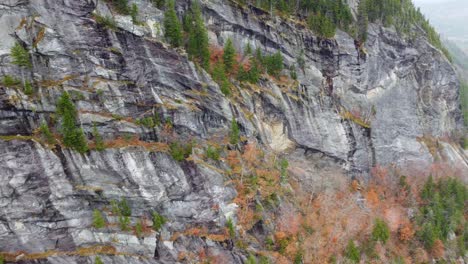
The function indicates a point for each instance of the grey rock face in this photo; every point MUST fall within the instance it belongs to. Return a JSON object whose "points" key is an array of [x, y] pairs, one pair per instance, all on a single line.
{"points": [[404, 89]]}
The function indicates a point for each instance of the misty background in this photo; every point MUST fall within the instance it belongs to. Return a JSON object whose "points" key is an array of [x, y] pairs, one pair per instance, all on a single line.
{"points": [[449, 17]]}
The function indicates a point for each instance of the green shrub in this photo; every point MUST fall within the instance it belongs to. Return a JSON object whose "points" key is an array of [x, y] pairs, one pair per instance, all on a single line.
{"points": [[251, 259], [179, 151], [9, 81], [97, 260], [124, 208], [124, 222], [28, 90], [138, 229], [352, 252], [284, 164], [159, 3], [49, 137], [149, 121], [231, 228], [282, 245], [134, 13], [298, 257], [98, 219], [98, 141], [158, 221], [105, 21], [234, 134], [380, 232], [121, 6], [213, 153]]}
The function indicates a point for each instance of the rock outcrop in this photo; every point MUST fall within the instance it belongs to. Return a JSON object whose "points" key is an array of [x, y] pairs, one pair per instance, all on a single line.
{"points": [[351, 109]]}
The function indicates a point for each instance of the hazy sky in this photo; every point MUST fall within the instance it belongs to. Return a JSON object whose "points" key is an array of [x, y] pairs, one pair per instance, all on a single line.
{"points": [[449, 17]]}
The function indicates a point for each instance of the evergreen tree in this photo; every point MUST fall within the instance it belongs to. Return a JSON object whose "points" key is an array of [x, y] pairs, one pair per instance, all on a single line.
{"points": [[20, 56], [198, 46], [362, 22], [380, 231], [121, 6], [172, 26], [98, 219], [229, 56], [158, 221], [159, 3], [219, 75], [352, 252], [99, 143], [274, 64], [248, 49], [134, 13], [234, 134], [73, 136], [28, 90], [44, 128]]}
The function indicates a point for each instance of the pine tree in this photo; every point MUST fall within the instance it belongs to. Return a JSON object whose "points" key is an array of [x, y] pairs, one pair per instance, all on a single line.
{"points": [[158, 221], [99, 143], [172, 26], [159, 3], [380, 232], [20, 56], [45, 131], [219, 75], [98, 219], [362, 22], [229, 56], [274, 64], [352, 252], [134, 13], [73, 136], [198, 46], [248, 49], [234, 134]]}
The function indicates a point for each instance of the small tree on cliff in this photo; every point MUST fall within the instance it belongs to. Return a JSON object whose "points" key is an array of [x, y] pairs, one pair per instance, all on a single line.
{"points": [[198, 46], [172, 26], [229, 56], [73, 136]]}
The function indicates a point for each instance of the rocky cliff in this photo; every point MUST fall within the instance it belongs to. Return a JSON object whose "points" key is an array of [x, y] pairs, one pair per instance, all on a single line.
{"points": [[349, 110]]}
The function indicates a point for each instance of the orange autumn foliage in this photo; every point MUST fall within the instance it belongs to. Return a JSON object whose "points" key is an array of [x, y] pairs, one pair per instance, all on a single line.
{"points": [[406, 233], [438, 249]]}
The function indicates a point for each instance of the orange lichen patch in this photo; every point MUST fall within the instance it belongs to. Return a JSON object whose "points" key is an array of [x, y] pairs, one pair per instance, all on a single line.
{"points": [[22, 23], [39, 37], [53, 83], [121, 142], [202, 232], [356, 118], [83, 251]]}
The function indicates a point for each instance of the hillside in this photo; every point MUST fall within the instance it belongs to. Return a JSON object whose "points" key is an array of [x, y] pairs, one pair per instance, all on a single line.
{"points": [[228, 132]]}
